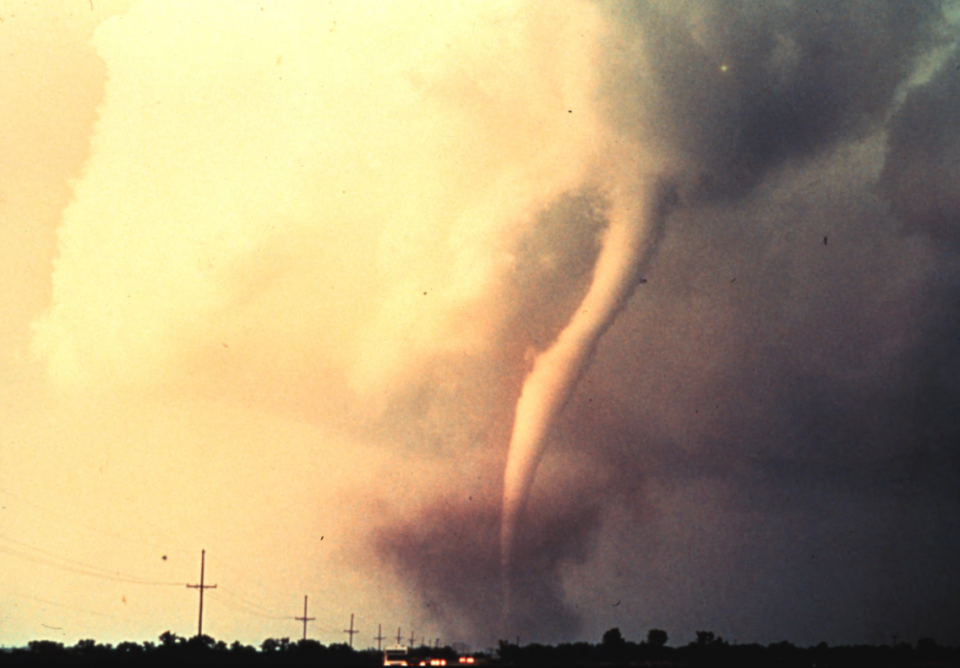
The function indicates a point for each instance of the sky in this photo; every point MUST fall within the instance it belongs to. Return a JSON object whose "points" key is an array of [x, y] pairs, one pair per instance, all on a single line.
{"points": [[480, 320]]}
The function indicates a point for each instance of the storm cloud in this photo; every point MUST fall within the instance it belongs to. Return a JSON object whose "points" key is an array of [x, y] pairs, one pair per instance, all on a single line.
{"points": [[791, 361]]}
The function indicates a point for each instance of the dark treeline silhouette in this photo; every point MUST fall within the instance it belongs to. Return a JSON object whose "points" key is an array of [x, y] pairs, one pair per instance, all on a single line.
{"points": [[707, 649], [710, 649], [173, 648]]}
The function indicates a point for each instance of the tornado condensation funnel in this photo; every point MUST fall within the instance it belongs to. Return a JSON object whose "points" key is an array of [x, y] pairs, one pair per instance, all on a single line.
{"points": [[637, 207]]}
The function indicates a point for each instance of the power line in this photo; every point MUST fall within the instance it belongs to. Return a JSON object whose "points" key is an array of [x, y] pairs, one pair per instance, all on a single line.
{"points": [[66, 606], [74, 566], [238, 603], [261, 590], [37, 555], [74, 523]]}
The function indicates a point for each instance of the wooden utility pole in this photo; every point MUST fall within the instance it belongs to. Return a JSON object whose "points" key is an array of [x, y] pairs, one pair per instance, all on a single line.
{"points": [[411, 639], [201, 587], [351, 632], [379, 636], [398, 635], [304, 619]]}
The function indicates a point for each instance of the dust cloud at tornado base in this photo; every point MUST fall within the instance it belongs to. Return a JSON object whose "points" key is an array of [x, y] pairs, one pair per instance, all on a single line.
{"points": [[361, 218]]}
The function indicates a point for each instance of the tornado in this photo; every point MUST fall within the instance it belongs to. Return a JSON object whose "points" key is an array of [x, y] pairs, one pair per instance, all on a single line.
{"points": [[637, 207]]}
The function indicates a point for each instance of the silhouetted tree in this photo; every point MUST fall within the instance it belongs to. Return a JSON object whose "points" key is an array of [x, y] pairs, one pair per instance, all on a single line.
{"points": [[657, 637], [507, 650], [270, 645], [89, 647], [239, 648], [709, 639], [130, 648], [307, 646], [705, 638], [200, 643], [85, 646], [45, 647], [613, 639], [169, 640]]}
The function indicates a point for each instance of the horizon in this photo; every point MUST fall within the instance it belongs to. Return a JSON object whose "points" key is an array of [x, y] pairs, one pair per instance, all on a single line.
{"points": [[611, 638]]}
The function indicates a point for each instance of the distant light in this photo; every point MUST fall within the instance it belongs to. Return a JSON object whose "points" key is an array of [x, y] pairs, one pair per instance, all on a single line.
{"points": [[724, 68]]}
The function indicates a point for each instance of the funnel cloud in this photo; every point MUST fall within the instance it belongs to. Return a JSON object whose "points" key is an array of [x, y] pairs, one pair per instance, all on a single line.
{"points": [[636, 223]]}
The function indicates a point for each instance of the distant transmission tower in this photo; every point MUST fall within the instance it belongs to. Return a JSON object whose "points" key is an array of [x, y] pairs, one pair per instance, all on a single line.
{"points": [[201, 587]]}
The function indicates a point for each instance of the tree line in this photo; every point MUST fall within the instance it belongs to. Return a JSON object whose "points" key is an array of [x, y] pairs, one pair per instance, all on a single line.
{"points": [[171, 647], [708, 649]]}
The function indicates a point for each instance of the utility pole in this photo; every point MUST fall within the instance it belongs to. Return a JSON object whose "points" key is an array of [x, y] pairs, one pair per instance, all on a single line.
{"points": [[398, 635], [201, 587], [304, 619], [379, 636], [351, 631], [411, 639]]}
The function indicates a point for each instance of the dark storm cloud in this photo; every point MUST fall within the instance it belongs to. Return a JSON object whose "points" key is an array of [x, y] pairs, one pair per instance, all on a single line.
{"points": [[815, 397], [739, 88], [920, 180], [772, 422]]}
